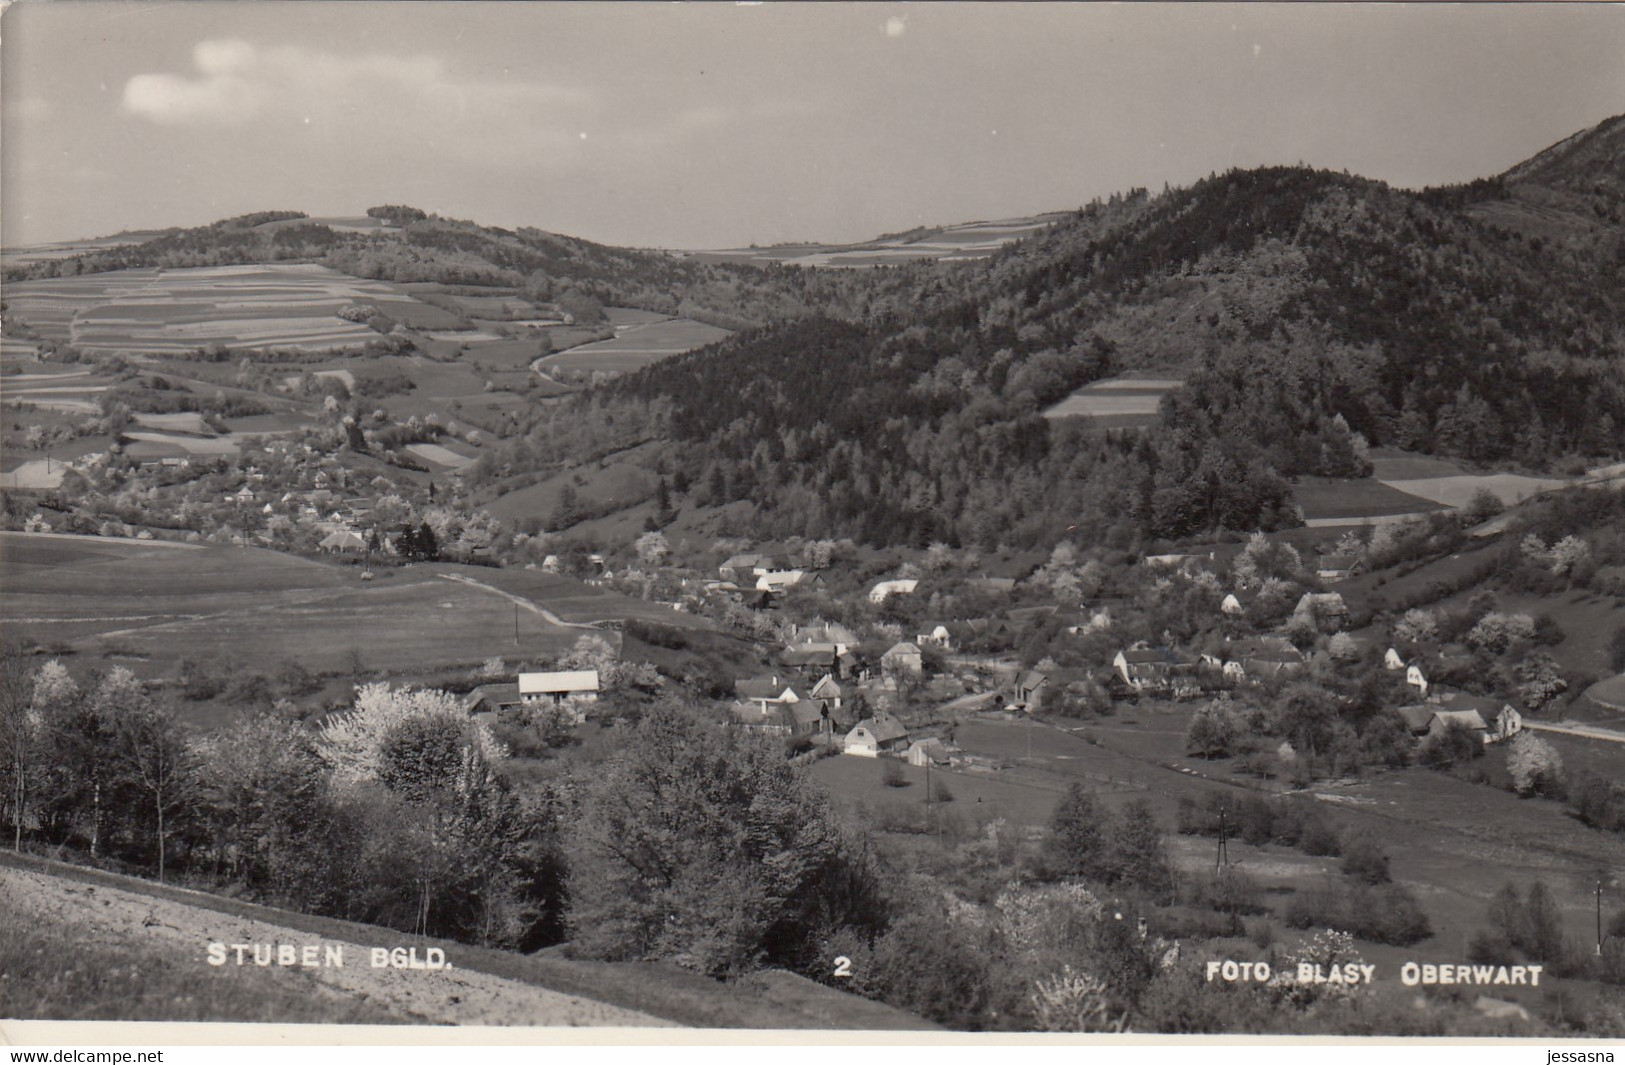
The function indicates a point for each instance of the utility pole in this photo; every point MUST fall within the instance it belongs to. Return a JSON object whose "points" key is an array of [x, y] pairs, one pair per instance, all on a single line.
{"points": [[1599, 917], [516, 624], [1224, 843]]}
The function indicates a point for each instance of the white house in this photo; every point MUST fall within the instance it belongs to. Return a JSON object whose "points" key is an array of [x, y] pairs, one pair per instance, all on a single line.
{"points": [[1231, 606], [880, 592], [937, 636], [570, 684], [873, 735]]}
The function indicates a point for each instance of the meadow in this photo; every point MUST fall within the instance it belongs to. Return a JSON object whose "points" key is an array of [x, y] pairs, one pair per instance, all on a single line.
{"points": [[634, 346], [1452, 842], [1458, 490], [1118, 402], [1325, 497]]}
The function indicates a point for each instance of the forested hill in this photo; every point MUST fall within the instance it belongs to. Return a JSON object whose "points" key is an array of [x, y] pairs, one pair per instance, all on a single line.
{"points": [[1315, 313], [407, 244]]}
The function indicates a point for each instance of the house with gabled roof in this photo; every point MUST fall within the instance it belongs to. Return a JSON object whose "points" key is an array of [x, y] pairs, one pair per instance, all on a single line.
{"points": [[1340, 566], [827, 692], [489, 698], [937, 635], [874, 736], [1501, 720], [766, 691], [930, 751], [903, 657], [1029, 689], [1147, 668], [1326, 610]]}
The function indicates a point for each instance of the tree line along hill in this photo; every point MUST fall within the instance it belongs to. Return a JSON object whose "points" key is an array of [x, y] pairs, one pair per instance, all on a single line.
{"points": [[1310, 314]]}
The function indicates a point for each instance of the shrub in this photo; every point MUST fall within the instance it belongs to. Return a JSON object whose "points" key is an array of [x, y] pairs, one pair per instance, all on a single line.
{"points": [[1320, 838], [1229, 891], [1387, 914], [1365, 860], [891, 773]]}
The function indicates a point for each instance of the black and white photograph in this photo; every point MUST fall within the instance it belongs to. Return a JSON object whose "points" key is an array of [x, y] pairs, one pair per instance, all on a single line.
{"points": [[789, 519]]}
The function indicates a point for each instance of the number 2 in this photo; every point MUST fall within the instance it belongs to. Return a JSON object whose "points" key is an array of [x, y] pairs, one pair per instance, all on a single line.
{"points": [[843, 966]]}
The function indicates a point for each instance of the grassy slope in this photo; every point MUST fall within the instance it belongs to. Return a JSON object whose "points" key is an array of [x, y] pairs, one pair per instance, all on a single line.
{"points": [[681, 997]]}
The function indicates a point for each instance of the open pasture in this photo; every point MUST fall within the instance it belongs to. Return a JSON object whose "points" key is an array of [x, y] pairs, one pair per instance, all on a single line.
{"points": [[635, 346], [179, 422], [1125, 401], [83, 575], [1327, 497], [1458, 490], [401, 625], [440, 456], [172, 311], [570, 599], [1392, 464]]}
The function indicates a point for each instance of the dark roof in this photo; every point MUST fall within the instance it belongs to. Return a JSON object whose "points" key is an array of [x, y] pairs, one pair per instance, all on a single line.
{"points": [[760, 687], [1416, 718], [883, 727], [492, 694], [803, 657]]}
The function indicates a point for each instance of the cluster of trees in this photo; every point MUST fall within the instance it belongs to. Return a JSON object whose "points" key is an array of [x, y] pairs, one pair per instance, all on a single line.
{"points": [[397, 812]]}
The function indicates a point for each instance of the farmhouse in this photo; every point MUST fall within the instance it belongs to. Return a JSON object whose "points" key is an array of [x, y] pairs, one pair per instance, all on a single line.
{"points": [[902, 657], [885, 589], [1337, 567], [1029, 689], [937, 636], [739, 566], [838, 638], [491, 697], [785, 579], [1501, 719], [1326, 610], [1147, 668], [766, 692], [827, 693], [579, 684], [343, 540], [874, 735], [929, 752]]}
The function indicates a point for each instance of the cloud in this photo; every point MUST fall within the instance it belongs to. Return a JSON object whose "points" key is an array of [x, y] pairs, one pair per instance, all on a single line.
{"points": [[236, 82], [897, 25]]}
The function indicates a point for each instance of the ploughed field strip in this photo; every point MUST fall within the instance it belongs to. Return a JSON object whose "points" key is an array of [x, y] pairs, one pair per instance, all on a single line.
{"points": [[169, 311]]}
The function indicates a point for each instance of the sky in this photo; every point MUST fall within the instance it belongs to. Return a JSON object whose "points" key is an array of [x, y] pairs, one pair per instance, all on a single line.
{"points": [[707, 125]]}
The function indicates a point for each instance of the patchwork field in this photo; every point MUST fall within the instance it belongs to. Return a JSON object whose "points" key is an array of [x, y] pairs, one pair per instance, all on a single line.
{"points": [[171, 311]]}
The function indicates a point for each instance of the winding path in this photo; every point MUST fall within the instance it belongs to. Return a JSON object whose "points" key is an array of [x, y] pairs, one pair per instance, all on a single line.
{"points": [[546, 614]]}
